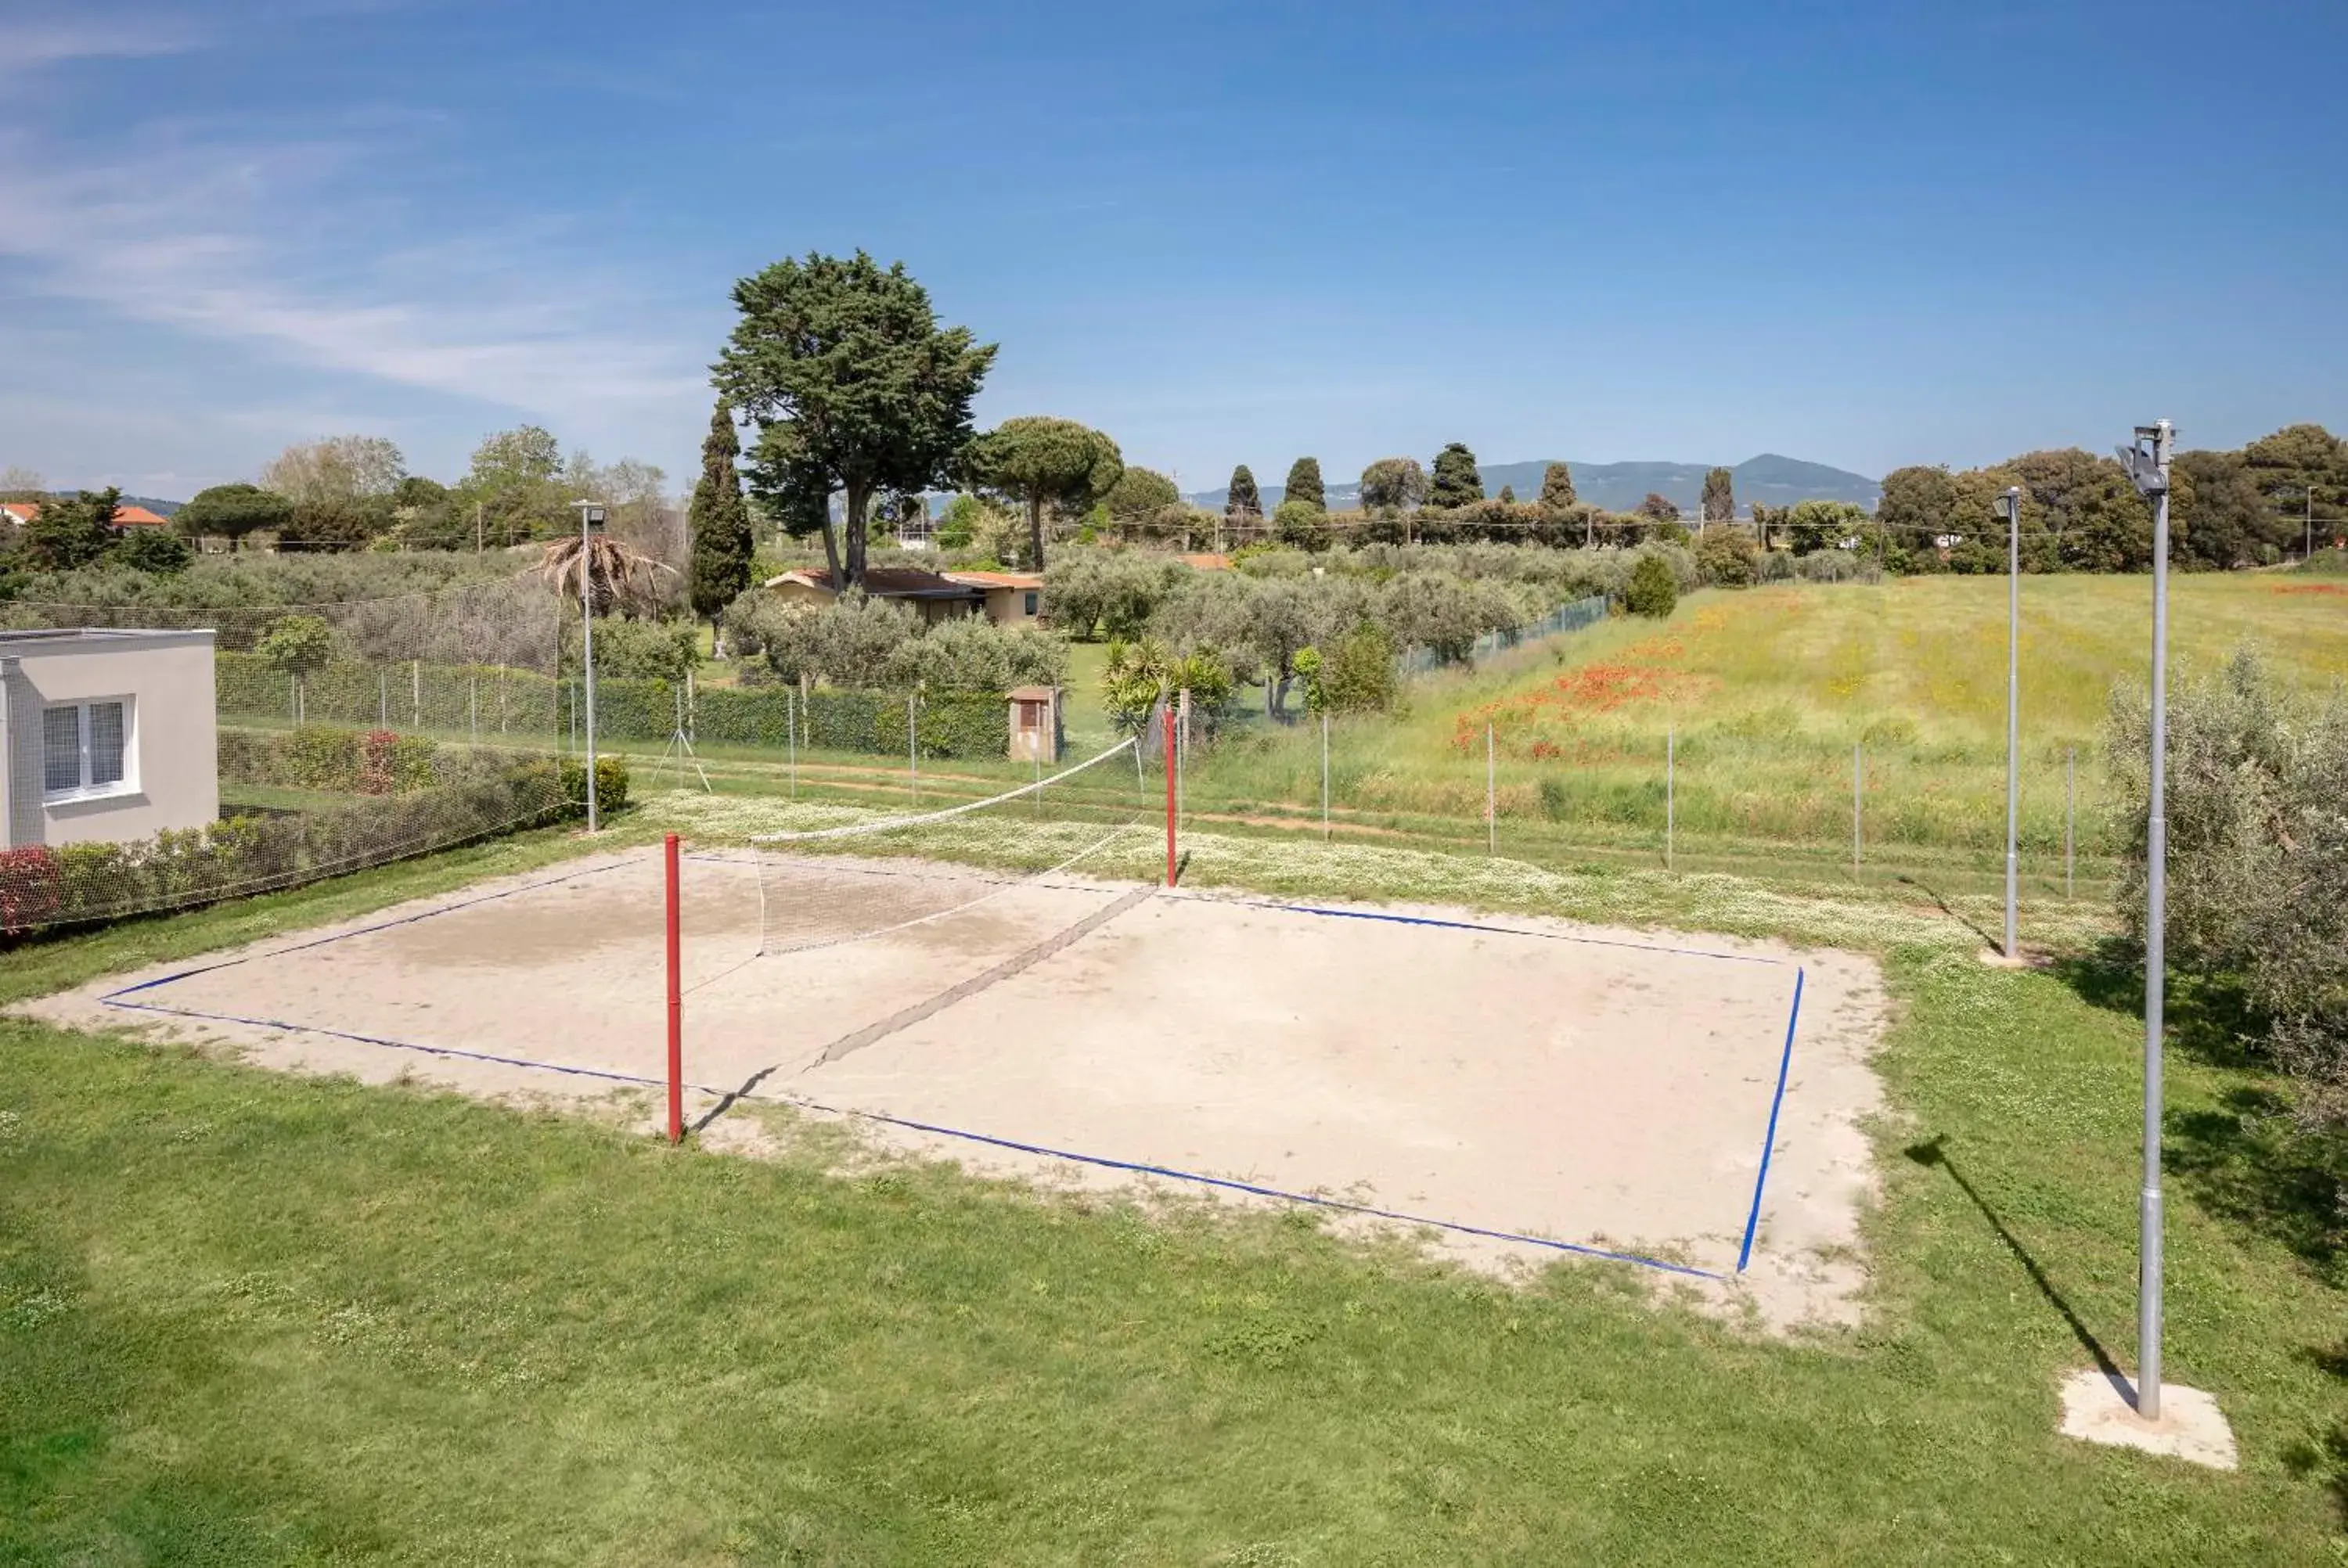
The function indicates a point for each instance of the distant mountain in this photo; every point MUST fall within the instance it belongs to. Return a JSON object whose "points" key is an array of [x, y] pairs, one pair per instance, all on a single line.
{"points": [[1770, 479], [160, 508]]}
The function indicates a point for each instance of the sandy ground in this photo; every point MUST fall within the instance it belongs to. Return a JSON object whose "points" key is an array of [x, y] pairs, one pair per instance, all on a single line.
{"points": [[1607, 1088]]}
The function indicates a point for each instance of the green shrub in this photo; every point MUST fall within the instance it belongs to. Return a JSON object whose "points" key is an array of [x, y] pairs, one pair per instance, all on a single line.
{"points": [[639, 649], [162, 552], [611, 785], [1557, 802], [1357, 676], [1651, 590], [2257, 859], [1725, 557], [1300, 525]]}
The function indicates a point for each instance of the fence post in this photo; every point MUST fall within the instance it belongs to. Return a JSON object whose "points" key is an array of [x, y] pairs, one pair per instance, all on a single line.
{"points": [[1858, 788], [912, 750], [2070, 815], [1324, 778], [382, 698], [501, 699], [473, 708], [1670, 790], [1491, 797], [791, 736], [688, 726], [416, 691]]}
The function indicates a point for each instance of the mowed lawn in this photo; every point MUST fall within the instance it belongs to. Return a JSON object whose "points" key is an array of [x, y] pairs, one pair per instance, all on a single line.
{"points": [[1764, 694], [248, 1318]]}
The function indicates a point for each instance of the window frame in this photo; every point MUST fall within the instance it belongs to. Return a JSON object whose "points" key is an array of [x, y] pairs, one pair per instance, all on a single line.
{"points": [[84, 790]]}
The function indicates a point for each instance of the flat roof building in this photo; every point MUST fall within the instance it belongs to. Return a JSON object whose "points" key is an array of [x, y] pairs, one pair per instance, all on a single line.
{"points": [[106, 734]]}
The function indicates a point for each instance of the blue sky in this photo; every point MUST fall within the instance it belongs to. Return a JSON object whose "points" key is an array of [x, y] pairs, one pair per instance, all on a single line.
{"points": [[1866, 234]]}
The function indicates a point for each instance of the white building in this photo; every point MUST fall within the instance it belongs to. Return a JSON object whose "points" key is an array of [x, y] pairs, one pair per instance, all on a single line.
{"points": [[106, 734]]}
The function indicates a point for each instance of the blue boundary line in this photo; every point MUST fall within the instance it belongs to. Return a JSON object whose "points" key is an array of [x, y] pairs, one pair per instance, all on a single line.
{"points": [[938, 1129], [1769, 1138], [1428, 921], [447, 1050], [1230, 1185], [365, 930]]}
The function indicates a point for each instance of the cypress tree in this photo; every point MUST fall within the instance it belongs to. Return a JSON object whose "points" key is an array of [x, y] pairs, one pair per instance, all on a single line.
{"points": [[719, 522], [1243, 504], [1557, 487], [1456, 482], [1508, 494], [1304, 485], [1719, 497]]}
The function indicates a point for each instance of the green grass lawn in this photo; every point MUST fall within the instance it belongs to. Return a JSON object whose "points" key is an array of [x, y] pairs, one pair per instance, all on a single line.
{"points": [[248, 1318]]}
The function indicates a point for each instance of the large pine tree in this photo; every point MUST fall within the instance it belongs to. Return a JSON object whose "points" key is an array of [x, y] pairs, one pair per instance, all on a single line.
{"points": [[719, 522], [1304, 485]]}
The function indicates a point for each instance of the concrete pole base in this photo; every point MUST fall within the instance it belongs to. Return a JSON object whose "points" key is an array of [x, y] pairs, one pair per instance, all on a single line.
{"points": [[2098, 1407]]}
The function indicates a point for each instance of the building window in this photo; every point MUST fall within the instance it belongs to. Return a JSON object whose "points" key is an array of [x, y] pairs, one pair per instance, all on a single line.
{"points": [[86, 749], [1031, 601]]}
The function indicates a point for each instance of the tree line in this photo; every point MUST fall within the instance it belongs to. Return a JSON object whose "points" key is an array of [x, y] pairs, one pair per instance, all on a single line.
{"points": [[2275, 497]]}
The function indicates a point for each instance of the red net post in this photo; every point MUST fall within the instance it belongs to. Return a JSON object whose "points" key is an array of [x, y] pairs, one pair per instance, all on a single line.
{"points": [[676, 1006]]}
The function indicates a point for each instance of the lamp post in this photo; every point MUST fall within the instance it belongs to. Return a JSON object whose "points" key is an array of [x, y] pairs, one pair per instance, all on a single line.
{"points": [[590, 523], [2012, 499], [2146, 460]]}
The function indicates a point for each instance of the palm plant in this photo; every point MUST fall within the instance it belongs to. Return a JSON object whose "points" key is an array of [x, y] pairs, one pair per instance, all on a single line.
{"points": [[616, 577]]}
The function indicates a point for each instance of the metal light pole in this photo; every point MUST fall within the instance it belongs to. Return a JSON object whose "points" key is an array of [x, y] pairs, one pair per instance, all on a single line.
{"points": [[2147, 464], [2013, 713], [590, 523]]}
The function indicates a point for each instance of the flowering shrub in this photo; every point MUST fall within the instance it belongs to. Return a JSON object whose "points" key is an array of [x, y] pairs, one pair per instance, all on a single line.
{"points": [[29, 887]]}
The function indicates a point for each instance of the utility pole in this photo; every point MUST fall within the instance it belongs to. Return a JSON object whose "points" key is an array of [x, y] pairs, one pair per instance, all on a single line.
{"points": [[2013, 713], [2147, 460]]}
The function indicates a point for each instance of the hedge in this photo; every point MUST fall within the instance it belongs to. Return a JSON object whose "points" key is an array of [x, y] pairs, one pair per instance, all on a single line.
{"points": [[461, 794], [487, 699]]}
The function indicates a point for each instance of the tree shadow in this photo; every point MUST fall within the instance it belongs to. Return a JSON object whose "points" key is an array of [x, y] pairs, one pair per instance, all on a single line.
{"points": [[2326, 1455], [2248, 1160], [2210, 1018], [1934, 1156]]}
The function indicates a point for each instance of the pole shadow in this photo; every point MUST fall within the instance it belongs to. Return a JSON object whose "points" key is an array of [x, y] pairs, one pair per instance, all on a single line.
{"points": [[1942, 902], [1934, 1156]]}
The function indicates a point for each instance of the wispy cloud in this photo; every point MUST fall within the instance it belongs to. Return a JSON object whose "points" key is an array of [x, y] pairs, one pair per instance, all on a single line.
{"points": [[35, 42], [289, 244], [219, 239]]}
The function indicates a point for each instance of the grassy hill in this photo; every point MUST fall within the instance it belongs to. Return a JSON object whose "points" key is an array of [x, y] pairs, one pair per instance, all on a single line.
{"points": [[1767, 692]]}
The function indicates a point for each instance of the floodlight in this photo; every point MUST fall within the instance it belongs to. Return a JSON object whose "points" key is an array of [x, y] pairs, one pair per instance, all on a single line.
{"points": [[2146, 460]]}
